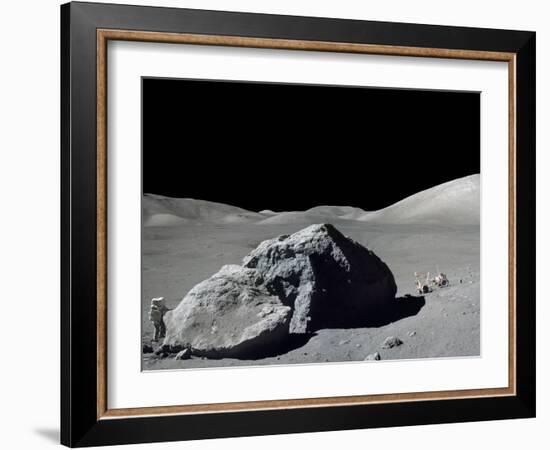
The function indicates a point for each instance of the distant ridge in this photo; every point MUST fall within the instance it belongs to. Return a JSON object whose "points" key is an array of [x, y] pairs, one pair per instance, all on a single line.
{"points": [[294, 217], [342, 212], [454, 202]]}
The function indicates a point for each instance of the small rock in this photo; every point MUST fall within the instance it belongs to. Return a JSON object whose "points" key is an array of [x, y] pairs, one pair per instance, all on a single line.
{"points": [[147, 348], [163, 350], [184, 354], [391, 342], [345, 341], [412, 333], [373, 357], [358, 345]]}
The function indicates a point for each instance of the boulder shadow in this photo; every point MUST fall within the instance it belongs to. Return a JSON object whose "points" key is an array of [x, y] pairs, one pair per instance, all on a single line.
{"points": [[291, 342], [402, 307]]}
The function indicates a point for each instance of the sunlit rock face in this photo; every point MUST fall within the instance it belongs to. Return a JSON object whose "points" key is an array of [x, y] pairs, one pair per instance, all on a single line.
{"points": [[231, 314]]}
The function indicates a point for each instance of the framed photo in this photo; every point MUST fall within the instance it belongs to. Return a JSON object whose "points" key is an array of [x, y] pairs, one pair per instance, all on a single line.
{"points": [[276, 224]]}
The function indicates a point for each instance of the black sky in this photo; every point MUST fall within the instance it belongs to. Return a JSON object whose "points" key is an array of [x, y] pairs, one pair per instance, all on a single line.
{"points": [[292, 147]]}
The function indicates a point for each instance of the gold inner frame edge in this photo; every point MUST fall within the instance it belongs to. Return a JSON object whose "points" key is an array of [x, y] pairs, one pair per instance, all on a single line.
{"points": [[104, 35]]}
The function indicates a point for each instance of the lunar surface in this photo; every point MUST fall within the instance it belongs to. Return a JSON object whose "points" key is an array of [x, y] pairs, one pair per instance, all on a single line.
{"points": [[186, 241]]}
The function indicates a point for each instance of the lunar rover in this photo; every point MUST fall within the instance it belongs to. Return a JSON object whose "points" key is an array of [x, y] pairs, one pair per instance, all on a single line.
{"points": [[441, 280], [424, 284]]}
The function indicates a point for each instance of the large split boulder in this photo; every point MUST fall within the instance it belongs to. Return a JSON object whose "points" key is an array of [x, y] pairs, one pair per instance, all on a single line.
{"points": [[295, 284], [231, 314], [326, 278]]}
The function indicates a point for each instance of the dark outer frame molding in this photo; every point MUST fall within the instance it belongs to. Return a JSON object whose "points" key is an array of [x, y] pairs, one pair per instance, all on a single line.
{"points": [[80, 425]]}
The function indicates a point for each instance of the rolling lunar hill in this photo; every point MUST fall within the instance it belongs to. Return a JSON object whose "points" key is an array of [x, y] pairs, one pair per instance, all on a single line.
{"points": [[456, 201], [159, 210]]}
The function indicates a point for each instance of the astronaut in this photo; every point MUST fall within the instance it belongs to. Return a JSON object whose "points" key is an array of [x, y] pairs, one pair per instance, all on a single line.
{"points": [[156, 315]]}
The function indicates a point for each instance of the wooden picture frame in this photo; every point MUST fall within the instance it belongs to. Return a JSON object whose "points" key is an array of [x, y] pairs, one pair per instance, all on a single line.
{"points": [[86, 418]]}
